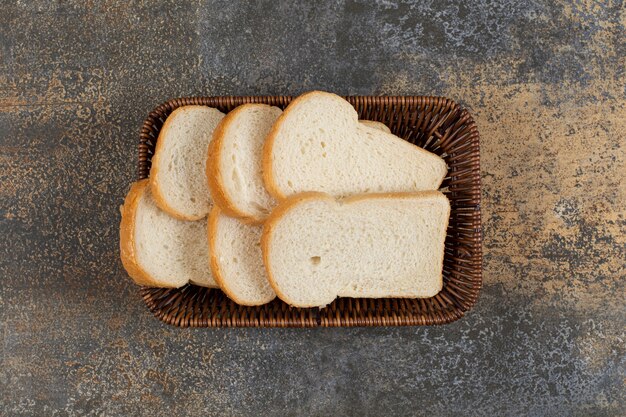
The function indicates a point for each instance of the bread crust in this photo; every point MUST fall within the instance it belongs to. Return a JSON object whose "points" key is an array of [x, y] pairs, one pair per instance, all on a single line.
{"points": [[214, 172], [212, 225], [292, 201], [127, 235], [157, 193]]}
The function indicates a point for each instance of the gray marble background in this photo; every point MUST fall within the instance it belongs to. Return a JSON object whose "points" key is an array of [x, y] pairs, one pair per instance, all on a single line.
{"points": [[545, 82]]}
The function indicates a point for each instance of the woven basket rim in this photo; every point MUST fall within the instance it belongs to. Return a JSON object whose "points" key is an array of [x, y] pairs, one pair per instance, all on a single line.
{"points": [[159, 301]]}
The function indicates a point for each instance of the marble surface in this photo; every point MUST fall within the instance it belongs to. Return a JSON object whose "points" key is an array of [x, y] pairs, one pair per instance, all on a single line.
{"points": [[545, 83]]}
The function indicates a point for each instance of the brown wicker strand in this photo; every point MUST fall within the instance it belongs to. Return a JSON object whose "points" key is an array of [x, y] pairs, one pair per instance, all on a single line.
{"points": [[437, 124]]}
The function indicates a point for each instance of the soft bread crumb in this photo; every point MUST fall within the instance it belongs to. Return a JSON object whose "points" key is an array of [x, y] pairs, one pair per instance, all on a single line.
{"points": [[236, 259], [164, 251], [375, 246], [317, 144], [177, 175]]}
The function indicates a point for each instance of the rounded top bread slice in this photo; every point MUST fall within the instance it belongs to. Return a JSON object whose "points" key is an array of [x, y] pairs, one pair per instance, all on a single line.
{"points": [[233, 168], [158, 250], [236, 259], [316, 248], [318, 144], [177, 176]]}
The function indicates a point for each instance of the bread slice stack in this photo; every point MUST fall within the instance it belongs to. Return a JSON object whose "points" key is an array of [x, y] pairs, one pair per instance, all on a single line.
{"points": [[307, 204]]}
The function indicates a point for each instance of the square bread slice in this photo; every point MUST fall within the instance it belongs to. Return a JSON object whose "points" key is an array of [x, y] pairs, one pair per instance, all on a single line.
{"points": [[236, 259], [317, 144], [177, 176], [316, 248], [158, 250]]}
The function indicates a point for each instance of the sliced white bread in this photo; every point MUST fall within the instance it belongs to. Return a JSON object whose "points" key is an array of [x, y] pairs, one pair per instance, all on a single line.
{"points": [[236, 259], [177, 176], [316, 248], [376, 125], [233, 169], [317, 144], [158, 250]]}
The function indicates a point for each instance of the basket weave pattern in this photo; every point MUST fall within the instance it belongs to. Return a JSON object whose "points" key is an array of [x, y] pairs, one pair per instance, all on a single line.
{"points": [[435, 123]]}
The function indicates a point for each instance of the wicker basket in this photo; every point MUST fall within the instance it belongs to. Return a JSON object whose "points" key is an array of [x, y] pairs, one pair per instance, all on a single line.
{"points": [[434, 123]]}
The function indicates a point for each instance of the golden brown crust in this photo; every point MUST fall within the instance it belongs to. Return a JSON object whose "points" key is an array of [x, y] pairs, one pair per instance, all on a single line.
{"points": [[127, 234], [157, 194], [290, 202], [214, 171], [212, 225], [266, 158]]}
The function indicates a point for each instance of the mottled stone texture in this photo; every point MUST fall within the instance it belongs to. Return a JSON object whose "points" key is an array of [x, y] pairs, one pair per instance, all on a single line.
{"points": [[545, 82]]}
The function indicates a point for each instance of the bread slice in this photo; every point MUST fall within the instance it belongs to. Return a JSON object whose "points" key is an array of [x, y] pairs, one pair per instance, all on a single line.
{"points": [[234, 162], [236, 259], [376, 125], [158, 250], [317, 144], [233, 169], [316, 248], [178, 179]]}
